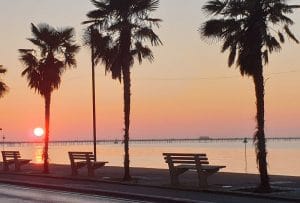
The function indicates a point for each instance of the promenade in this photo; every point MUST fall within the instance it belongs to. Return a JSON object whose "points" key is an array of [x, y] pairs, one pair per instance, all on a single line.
{"points": [[153, 184]]}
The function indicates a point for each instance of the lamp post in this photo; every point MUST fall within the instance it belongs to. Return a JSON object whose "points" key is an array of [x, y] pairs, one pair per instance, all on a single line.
{"points": [[3, 138], [245, 141], [92, 33]]}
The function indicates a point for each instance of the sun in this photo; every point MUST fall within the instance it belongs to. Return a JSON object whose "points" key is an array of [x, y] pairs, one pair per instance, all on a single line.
{"points": [[38, 132]]}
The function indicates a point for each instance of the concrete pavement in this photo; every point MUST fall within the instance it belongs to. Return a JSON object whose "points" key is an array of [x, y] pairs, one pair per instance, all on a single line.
{"points": [[153, 185]]}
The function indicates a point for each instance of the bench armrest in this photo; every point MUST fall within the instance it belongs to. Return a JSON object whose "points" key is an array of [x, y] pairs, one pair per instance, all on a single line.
{"points": [[24, 161], [98, 164]]}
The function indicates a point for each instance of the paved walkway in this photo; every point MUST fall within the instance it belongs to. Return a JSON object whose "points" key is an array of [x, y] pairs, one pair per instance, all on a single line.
{"points": [[153, 184]]}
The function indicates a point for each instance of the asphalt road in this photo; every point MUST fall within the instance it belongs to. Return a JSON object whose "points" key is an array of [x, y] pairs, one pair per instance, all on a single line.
{"points": [[23, 194], [20, 194]]}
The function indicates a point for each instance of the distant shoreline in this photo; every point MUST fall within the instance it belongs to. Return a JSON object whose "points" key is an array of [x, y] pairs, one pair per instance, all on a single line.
{"points": [[166, 140]]}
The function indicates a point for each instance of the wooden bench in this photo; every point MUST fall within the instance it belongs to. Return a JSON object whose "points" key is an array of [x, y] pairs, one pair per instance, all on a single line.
{"points": [[81, 159], [13, 157], [181, 162]]}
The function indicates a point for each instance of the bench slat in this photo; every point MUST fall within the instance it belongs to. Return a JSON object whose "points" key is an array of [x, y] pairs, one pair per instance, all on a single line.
{"points": [[188, 162], [205, 168], [185, 158], [82, 156], [12, 156], [74, 152], [8, 152], [183, 154], [212, 167]]}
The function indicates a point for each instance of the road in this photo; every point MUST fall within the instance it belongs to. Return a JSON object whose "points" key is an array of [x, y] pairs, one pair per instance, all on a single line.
{"points": [[20, 194], [64, 190]]}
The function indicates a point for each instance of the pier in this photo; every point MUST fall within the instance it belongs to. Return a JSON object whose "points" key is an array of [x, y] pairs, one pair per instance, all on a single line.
{"points": [[147, 141]]}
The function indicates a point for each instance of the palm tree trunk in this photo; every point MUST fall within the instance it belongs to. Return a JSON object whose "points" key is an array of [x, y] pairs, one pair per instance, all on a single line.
{"points": [[47, 122], [127, 94], [125, 42], [260, 141]]}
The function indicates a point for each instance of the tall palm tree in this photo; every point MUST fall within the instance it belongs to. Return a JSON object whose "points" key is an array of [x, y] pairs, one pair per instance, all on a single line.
{"points": [[129, 24], [44, 67], [250, 30], [99, 46], [3, 86]]}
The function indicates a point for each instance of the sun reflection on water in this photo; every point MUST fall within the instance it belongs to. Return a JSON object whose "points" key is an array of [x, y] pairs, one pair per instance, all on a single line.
{"points": [[38, 154]]}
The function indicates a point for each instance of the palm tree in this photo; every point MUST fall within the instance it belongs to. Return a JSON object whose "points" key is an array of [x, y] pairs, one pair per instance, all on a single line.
{"points": [[250, 30], [43, 68], [129, 24], [99, 46], [3, 86]]}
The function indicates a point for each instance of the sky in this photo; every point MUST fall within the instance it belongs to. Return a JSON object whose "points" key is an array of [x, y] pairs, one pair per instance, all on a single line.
{"points": [[187, 92]]}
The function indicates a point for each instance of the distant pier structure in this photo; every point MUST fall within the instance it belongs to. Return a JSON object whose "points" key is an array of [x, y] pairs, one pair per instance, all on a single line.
{"points": [[203, 139]]}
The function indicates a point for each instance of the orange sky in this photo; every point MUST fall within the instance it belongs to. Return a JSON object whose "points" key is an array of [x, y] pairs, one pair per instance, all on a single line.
{"points": [[187, 92]]}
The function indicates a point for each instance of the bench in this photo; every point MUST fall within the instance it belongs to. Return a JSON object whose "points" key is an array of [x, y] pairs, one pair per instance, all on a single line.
{"points": [[81, 159], [13, 157], [181, 162]]}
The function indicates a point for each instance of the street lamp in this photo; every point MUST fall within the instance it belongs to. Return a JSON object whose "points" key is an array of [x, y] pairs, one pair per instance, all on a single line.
{"points": [[245, 141], [3, 137]]}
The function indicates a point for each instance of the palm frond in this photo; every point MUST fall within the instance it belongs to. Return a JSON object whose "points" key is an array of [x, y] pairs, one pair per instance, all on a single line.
{"points": [[212, 28], [266, 56], [100, 4], [142, 6], [3, 86], [140, 51], [28, 59], [70, 52], [2, 70], [147, 33], [214, 7], [290, 34], [3, 89], [97, 14], [232, 55], [272, 44], [152, 21], [281, 37], [66, 34]]}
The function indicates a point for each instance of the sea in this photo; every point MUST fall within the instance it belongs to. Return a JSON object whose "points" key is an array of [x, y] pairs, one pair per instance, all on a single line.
{"points": [[283, 156]]}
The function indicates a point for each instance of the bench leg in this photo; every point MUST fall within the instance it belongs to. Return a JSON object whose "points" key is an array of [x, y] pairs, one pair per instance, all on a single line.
{"points": [[74, 171], [174, 175], [203, 181], [17, 167], [5, 167], [174, 179], [91, 171], [203, 176]]}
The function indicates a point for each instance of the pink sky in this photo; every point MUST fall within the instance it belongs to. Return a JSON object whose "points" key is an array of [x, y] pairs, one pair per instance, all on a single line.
{"points": [[187, 92]]}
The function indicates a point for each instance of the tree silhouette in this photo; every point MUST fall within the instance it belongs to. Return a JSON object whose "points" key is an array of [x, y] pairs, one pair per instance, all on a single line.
{"points": [[99, 46], [44, 67], [3, 86], [250, 30], [129, 24]]}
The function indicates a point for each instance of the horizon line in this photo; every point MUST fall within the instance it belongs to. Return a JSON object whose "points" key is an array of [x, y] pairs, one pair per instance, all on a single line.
{"points": [[201, 138]]}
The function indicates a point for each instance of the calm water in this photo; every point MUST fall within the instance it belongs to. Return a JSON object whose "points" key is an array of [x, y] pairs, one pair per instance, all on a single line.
{"points": [[283, 156]]}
